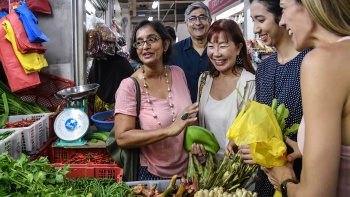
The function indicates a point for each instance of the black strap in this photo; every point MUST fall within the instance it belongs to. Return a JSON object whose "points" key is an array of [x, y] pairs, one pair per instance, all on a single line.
{"points": [[138, 101]]}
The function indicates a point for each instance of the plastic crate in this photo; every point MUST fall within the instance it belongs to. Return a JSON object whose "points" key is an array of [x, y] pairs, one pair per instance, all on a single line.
{"points": [[52, 119], [13, 143], [61, 154], [44, 149], [44, 93], [58, 155], [34, 136], [161, 184], [93, 170], [99, 118]]}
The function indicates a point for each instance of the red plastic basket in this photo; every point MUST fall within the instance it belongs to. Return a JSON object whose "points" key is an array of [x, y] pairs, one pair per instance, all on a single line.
{"points": [[58, 155], [93, 170], [61, 155], [44, 93]]}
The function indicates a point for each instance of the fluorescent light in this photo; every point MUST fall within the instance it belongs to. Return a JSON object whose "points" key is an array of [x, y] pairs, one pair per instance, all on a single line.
{"points": [[155, 4], [89, 7], [150, 18]]}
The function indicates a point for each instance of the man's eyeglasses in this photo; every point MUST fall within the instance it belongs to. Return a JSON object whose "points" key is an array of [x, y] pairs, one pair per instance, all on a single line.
{"points": [[200, 17], [139, 44]]}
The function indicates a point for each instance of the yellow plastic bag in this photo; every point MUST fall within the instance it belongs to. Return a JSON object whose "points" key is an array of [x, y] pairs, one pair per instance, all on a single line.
{"points": [[257, 126], [31, 62]]}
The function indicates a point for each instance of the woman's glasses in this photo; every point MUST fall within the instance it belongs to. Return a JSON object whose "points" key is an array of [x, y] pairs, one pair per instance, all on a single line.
{"points": [[139, 44]]}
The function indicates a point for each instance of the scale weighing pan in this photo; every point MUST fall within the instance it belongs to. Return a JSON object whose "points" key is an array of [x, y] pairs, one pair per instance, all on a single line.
{"points": [[78, 92]]}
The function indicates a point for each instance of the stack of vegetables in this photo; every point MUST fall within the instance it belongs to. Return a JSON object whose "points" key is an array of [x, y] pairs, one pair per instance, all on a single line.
{"points": [[231, 174], [11, 104], [27, 178]]}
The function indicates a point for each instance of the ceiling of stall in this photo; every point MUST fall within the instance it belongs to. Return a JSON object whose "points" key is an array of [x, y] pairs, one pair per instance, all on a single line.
{"points": [[170, 12]]}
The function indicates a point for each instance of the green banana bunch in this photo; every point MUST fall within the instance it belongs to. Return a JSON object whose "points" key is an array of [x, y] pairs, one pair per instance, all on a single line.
{"points": [[200, 135], [281, 113]]}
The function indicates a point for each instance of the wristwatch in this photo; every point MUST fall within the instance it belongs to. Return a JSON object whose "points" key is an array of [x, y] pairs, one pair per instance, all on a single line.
{"points": [[284, 186]]}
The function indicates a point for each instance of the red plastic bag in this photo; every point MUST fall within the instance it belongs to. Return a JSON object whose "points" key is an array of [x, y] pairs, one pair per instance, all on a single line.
{"points": [[22, 40], [4, 4], [17, 79], [42, 6]]}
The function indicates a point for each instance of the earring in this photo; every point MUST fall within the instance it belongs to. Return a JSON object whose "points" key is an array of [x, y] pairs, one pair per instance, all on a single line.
{"points": [[239, 60], [164, 52]]}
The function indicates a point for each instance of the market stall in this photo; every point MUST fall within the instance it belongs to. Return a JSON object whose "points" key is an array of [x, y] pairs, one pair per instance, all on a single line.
{"points": [[55, 120]]}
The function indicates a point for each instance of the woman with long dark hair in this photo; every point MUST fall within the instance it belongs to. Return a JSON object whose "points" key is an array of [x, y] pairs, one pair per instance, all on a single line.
{"points": [[231, 74]]}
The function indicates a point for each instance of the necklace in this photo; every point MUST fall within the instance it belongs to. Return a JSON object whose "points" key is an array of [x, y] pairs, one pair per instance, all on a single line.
{"points": [[171, 105]]}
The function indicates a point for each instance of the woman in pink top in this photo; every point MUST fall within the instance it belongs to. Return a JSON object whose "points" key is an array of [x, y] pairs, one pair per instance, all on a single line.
{"points": [[164, 99], [325, 85]]}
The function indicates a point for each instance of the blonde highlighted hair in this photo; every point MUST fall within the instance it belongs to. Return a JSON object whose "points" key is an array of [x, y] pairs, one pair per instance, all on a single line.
{"points": [[333, 15]]}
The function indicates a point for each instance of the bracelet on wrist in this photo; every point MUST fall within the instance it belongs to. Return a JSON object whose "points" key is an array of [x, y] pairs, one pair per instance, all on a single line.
{"points": [[284, 186]]}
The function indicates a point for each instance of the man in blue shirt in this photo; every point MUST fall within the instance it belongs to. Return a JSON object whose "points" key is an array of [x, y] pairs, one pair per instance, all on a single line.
{"points": [[191, 53]]}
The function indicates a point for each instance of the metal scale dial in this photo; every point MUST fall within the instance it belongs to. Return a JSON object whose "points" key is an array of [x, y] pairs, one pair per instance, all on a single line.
{"points": [[73, 122]]}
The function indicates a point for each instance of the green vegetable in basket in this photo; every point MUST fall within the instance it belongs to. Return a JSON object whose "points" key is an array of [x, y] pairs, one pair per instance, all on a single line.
{"points": [[3, 118], [97, 136], [16, 106], [200, 135], [5, 134]]}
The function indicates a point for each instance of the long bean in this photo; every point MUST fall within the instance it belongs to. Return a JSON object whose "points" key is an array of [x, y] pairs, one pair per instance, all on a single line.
{"points": [[6, 111]]}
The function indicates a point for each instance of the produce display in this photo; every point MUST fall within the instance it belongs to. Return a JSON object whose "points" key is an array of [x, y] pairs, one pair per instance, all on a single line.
{"points": [[25, 178], [219, 192], [16, 106], [90, 158], [187, 188], [231, 174], [97, 136], [22, 123], [5, 134]]}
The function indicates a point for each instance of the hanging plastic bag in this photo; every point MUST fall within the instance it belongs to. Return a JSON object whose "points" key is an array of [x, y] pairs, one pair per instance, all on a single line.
{"points": [[30, 23], [4, 5], [2, 14], [31, 62], [42, 6], [22, 41], [17, 79], [257, 126]]}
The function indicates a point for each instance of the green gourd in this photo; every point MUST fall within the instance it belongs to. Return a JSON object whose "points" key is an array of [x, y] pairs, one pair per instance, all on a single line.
{"points": [[200, 135]]}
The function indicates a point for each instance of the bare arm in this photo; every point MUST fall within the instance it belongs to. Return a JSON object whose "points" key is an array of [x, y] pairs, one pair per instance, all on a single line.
{"points": [[323, 94], [129, 137]]}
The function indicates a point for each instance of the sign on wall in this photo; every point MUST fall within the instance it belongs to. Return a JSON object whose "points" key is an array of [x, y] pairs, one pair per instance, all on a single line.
{"points": [[217, 5]]}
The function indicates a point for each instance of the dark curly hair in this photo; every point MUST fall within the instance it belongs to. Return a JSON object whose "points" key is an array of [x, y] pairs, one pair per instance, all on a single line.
{"points": [[163, 34]]}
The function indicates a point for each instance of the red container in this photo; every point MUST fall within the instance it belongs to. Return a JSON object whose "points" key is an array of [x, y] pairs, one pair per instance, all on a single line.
{"points": [[93, 170], [58, 155], [61, 155], [52, 119], [44, 93], [44, 149]]}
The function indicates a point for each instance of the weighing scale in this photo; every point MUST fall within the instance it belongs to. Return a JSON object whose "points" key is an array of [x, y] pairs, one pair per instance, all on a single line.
{"points": [[73, 122]]}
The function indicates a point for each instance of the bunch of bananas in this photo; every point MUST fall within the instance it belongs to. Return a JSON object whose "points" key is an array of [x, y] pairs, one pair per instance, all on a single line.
{"points": [[281, 113]]}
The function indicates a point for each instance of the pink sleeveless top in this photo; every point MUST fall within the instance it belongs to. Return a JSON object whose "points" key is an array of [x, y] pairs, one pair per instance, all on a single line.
{"points": [[343, 189]]}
